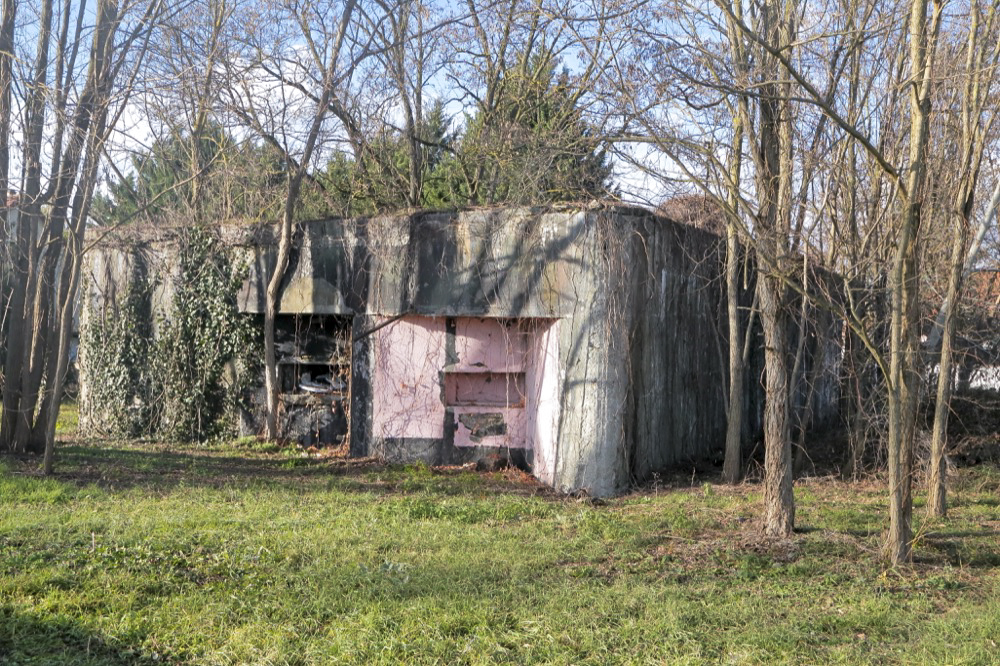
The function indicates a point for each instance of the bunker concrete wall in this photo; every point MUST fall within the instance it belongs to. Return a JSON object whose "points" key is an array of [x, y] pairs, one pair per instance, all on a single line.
{"points": [[542, 268], [627, 367], [678, 347]]}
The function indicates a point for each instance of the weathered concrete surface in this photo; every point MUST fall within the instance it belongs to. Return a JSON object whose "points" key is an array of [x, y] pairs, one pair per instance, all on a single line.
{"points": [[509, 263], [678, 346]]}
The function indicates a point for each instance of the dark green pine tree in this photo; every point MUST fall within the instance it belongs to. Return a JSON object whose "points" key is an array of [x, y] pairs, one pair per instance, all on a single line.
{"points": [[534, 145], [223, 180]]}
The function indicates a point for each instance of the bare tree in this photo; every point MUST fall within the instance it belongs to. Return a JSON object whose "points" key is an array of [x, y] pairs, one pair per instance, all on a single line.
{"points": [[977, 114], [712, 86], [78, 121], [324, 68]]}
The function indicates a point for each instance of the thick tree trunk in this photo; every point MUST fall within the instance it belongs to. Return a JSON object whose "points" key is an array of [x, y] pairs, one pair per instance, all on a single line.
{"points": [[774, 182], [34, 368], [19, 248], [16, 338], [779, 502]]}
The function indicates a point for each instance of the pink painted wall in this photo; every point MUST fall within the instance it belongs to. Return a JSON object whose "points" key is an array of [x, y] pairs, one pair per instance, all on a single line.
{"points": [[491, 344], [406, 391], [488, 378], [505, 368], [486, 389]]}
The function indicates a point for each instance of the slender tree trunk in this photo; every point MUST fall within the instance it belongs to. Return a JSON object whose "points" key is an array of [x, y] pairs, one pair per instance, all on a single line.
{"points": [[270, 315], [977, 117], [49, 414], [37, 309], [798, 372], [6, 81], [738, 338], [733, 463], [904, 373], [285, 239], [937, 469]]}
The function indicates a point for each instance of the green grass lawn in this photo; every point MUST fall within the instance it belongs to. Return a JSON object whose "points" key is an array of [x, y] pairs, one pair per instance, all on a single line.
{"points": [[237, 555]]}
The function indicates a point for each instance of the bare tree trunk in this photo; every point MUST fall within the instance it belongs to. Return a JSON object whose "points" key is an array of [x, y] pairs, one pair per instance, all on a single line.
{"points": [[903, 398], [49, 412], [774, 194], [6, 80], [20, 248], [294, 186], [904, 374], [271, 310], [733, 463], [36, 311], [412, 106], [798, 372], [937, 469], [92, 103], [977, 118], [934, 337], [9, 13], [779, 502]]}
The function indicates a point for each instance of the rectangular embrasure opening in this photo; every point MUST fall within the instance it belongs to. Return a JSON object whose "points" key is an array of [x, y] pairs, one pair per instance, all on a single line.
{"points": [[484, 389]]}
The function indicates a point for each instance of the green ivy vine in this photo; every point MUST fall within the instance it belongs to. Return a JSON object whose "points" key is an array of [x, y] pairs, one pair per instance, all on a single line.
{"points": [[115, 341], [205, 347], [183, 375]]}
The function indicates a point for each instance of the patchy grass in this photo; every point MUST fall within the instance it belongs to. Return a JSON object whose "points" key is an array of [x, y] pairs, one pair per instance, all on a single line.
{"points": [[236, 554], [69, 418]]}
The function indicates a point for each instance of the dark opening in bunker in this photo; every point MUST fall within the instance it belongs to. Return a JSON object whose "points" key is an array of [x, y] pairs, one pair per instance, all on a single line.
{"points": [[314, 377]]}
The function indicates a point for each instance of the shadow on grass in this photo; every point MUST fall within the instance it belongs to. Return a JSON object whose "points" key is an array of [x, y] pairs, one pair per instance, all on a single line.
{"points": [[119, 467], [28, 639], [981, 502], [965, 548]]}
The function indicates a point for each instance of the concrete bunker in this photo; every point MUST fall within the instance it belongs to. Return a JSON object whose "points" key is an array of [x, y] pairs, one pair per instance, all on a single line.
{"points": [[585, 345]]}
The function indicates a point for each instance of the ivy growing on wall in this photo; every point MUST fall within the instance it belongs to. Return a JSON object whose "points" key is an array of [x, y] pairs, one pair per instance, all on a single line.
{"points": [[115, 340], [183, 376], [204, 351]]}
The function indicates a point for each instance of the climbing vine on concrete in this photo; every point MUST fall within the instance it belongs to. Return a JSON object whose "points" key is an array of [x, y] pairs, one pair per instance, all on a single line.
{"points": [[204, 349], [115, 340], [182, 376]]}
